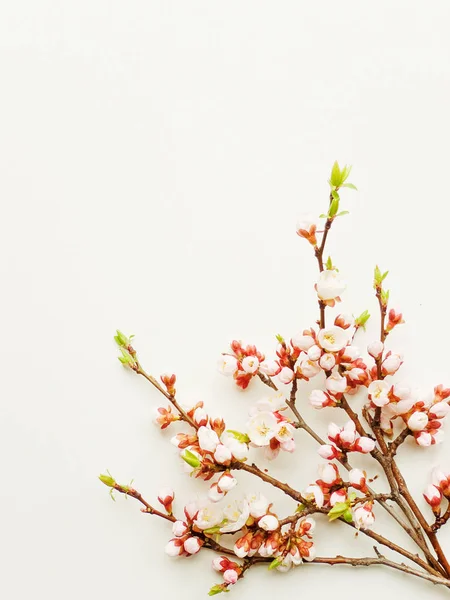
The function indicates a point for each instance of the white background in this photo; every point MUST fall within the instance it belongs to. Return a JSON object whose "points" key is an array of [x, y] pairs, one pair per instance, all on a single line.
{"points": [[155, 157]]}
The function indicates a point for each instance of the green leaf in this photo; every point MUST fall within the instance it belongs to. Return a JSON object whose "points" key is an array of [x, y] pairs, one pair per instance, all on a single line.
{"points": [[362, 319], [336, 176], [322, 216], [275, 563], [107, 480], [342, 213], [329, 264], [300, 508], [121, 339], [348, 517], [212, 530], [337, 511], [280, 339], [217, 589], [385, 296], [126, 358], [240, 437], [334, 207], [191, 459], [350, 186], [352, 497], [345, 172]]}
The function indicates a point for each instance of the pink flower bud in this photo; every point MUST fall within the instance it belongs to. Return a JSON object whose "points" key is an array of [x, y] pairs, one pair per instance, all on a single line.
{"points": [[192, 545], [434, 497], [357, 479], [336, 384], [200, 417], [333, 431], [314, 353], [207, 439], [344, 321], [165, 497], [338, 496], [364, 445], [222, 455], [226, 482], [286, 375], [270, 367], [250, 364], [327, 361], [328, 451], [220, 563], [314, 492], [440, 410], [424, 439], [215, 494], [268, 523], [363, 516], [174, 548], [329, 474], [391, 364], [179, 528], [318, 399], [375, 349], [348, 433], [230, 576], [418, 421], [302, 342]]}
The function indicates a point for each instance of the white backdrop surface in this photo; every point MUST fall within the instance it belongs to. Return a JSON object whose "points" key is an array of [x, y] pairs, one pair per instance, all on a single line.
{"points": [[154, 159]]}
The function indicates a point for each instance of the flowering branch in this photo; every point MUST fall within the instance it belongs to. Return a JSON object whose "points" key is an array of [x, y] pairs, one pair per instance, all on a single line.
{"points": [[392, 414]]}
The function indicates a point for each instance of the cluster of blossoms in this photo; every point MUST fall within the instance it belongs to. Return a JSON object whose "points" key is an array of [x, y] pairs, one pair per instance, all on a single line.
{"points": [[269, 428], [330, 491], [345, 440], [242, 363], [422, 414], [327, 352]]}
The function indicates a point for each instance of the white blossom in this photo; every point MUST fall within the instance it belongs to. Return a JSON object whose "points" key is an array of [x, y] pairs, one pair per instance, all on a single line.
{"points": [[250, 364], [227, 364], [332, 339], [363, 517], [261, 428], [215, 494], [174, 548], [209, 516], [236, 515], [258, 505], [272, 403], [230, 576], [329, 285], [378, 392], [327, 361]]}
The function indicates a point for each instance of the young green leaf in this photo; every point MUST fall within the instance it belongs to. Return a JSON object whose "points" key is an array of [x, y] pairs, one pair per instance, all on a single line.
{"points": [[337, 511], [336, 176], [362, 319], [217, 589], [191, 459], [342, 213], [275, 563], [350, 186], [334, 206], [240, 437]]}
